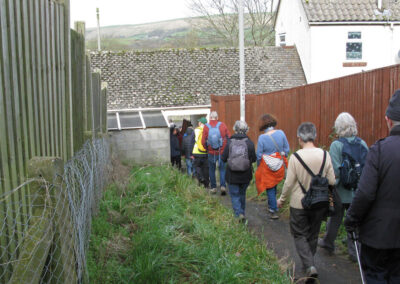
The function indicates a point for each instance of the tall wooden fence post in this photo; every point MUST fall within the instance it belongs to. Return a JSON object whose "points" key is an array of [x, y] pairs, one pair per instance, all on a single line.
{"points": [[39, 237]]}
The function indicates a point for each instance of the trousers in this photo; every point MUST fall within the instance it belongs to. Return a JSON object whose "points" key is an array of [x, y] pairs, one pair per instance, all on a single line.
{"points": [[380, 266], [332, 228], [305, 226], [201, 169]]}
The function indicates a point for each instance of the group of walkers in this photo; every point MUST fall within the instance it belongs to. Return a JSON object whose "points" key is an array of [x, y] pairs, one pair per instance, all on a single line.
{"points": [[318, 185]]}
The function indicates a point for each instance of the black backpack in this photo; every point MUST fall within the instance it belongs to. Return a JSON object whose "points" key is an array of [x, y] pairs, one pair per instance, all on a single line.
{"points": [[317, 195], [353, 160]]}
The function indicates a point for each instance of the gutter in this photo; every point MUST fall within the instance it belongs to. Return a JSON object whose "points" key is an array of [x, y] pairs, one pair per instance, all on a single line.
{"points": [[157, 109], [376, 23]]}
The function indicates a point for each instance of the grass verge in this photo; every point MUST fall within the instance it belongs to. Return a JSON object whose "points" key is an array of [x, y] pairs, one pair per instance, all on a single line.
{"points": [[163, 228]]}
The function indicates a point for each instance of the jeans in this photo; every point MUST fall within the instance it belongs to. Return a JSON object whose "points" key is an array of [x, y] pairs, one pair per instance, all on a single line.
{"points": [[238, 197], [212, 161], [305, 226], [272, 203], [189, 166], [381, 266]]}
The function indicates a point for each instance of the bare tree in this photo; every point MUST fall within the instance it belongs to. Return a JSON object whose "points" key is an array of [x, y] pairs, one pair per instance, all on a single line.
{"points": [[219, 20]]}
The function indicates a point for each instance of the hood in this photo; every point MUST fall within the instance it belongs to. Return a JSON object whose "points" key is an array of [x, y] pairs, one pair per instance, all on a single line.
{"points": [[189, 131]]}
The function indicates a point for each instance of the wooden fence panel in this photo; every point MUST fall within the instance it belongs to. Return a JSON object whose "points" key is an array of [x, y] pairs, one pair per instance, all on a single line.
{"points": [[364, 95], [42, 112]]}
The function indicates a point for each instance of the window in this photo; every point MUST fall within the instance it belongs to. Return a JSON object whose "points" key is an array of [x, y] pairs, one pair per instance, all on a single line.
{"points": [[282, 39], [135, 119], [354, 46]]}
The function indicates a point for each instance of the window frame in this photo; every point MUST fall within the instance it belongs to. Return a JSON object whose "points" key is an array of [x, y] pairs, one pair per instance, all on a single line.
{"points": [[354, 40]]}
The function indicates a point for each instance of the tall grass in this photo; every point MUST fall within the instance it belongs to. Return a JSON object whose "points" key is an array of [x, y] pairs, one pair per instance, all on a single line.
{"points": [[163, 228]]}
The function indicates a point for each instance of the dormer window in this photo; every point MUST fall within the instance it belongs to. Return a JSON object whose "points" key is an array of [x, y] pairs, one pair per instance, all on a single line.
{"points": [[354, 46]]}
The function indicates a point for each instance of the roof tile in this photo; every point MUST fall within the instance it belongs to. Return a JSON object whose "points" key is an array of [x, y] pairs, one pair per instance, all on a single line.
{"points": [[350, 10]]}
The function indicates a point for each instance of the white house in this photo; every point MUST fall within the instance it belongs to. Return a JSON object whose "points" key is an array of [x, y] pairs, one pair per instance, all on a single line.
{"points": [[335, 38]]}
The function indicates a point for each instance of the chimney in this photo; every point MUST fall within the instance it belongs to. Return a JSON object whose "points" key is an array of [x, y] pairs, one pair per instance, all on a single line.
{"points": [[379, 3]]}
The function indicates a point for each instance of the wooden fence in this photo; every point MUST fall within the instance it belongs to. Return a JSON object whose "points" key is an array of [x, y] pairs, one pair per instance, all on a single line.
{"points": [[50, 102], [364, 95]]}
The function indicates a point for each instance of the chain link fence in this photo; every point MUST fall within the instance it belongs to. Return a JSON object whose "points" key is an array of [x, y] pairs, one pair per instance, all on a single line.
{"points": [[46, 241]]}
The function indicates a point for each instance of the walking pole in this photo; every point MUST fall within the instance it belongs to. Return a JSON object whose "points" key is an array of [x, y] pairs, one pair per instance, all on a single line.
{"points": [[358, 258]]}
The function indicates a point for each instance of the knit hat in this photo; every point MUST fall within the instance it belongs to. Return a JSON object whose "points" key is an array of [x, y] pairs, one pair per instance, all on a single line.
{"points": [[203, 120], [393, 109]]}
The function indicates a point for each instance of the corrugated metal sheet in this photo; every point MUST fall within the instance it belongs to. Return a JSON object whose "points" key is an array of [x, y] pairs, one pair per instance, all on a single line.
{"points": [[364, 95]]}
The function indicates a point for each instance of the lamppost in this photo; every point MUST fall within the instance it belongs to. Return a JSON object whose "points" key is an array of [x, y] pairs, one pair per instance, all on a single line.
{"points": [[242, 66], [98, 29]]}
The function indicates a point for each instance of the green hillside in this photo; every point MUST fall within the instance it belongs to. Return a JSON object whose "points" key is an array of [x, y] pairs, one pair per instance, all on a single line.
{"points": [[179, 33]]}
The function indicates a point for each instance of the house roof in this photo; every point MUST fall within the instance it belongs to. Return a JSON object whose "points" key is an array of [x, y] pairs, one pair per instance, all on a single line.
{"points": [[172, 78], [351, 10]]}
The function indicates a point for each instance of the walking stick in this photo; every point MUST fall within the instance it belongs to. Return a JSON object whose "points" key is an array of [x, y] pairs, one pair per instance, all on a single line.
{"points": [[358, 258]]}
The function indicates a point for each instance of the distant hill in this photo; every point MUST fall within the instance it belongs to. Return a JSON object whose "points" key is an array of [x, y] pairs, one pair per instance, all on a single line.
{"points": [[167, 34], [177, 33]]}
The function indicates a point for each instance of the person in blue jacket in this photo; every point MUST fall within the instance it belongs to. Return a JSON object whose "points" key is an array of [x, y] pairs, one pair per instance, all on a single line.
{"points": [[271, 141]]}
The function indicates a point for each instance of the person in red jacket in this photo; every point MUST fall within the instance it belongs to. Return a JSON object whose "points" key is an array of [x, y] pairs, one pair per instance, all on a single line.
{"points": [[215, 137]]}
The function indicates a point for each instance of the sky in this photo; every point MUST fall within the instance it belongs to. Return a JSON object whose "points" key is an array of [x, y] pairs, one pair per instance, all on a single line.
{"points": [[123, 12]]}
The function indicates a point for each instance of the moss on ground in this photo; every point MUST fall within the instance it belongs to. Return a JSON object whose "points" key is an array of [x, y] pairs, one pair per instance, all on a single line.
{"points": [[164, 228]]}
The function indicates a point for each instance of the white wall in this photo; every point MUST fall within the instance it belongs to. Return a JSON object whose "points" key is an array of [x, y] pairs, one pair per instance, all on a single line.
{"points": [[292, 20], [381, 45]]}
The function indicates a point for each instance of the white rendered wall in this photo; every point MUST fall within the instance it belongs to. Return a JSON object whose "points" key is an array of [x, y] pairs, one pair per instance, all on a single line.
{"points": [[292, 20], [380, 48]]}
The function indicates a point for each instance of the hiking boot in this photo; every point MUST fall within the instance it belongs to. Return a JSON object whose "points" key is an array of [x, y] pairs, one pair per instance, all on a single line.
{"points": [[241, 218], [223, 190], [273, 216], [322, 244], [213, 190], [312, 272]]}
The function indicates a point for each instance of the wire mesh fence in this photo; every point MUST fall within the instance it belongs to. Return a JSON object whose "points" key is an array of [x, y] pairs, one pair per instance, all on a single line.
{"points": [[46, 241]]}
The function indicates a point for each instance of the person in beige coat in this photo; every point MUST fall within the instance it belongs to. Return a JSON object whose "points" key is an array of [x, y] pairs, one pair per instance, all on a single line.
{"points": [[305, 224]]}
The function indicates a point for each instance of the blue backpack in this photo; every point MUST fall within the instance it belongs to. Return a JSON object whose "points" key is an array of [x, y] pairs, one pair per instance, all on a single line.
{"points": [[353, 160], [214, 136]]}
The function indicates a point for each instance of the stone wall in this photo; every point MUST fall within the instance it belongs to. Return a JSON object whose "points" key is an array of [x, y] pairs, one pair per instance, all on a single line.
{"points": [[142, 147], [188, 77]]}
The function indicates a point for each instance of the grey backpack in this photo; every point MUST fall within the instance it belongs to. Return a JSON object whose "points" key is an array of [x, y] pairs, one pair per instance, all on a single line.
{"points": [[238, 155]]}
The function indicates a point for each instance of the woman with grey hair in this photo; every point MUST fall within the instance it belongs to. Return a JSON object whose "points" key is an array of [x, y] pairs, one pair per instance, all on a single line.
{"points": [[346, 131], [240, 155], [305, 224]]}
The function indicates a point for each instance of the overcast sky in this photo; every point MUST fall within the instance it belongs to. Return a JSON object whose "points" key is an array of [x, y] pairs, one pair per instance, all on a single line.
{"points": [[123, 12]]}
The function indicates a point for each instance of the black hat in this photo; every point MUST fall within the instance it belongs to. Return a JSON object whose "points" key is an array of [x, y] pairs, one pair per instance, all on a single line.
{"points": [[393, 109]]}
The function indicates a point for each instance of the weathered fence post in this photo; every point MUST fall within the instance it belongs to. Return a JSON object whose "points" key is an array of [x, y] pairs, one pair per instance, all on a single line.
{"points": [[104, 87], [96, 97], [38, 239]]}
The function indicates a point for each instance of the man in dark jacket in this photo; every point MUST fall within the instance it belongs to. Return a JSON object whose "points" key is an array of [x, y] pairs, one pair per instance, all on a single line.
{"points": [[188, 144], [237, 180], [175, 149], [375, 210]]}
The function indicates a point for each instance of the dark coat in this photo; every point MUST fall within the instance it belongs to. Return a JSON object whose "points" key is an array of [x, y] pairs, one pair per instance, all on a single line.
{"points": [[188, 143], [175, 149], [234, 177], [376, 205]]}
